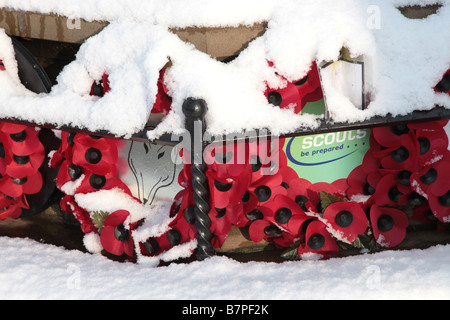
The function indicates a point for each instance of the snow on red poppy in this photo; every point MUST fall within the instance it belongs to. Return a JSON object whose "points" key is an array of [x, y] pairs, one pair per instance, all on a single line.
{"points": [[93, 182], [347, 220], [444, 85], [286, 214], [318, 241], [404, 156], [163, 101], [68, 204], [440, 205], [227, 190], [181, 230], [434, 178], [115, 236], [433, 142], [388, 225], [99, 158]]}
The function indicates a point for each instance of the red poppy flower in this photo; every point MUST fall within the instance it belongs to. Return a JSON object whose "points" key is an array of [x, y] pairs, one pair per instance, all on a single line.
{"points": [[101, 87], [227, 190], [358, 184], [286, 214], [222, 219], [433, 142], [318, 241], [435, 178], [249, 203], [68, 204], [163, 101], [404, 156], [23, 166], [391, 136], [181, 230], [388, 225], [12, 207], [97, 155], [267, 188], [389, 191], [265, 230], [423, 214], [371, 162], [297, 93], [298, 191], [65, 149], [15, 187], [266, 156], [93, 182], [347, 218], [20, 138], [375, 153], [440, 205], [285, 97], [226, 159], [313, 195], [56, 159], [115, 236], [341, 186], [288, 175], [67, 172], [185, 176], [180, 202], [309, 87]]}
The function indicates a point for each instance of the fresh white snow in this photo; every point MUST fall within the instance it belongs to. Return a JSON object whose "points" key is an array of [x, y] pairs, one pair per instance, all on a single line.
{"points": [[31, 270], [408, 59]]}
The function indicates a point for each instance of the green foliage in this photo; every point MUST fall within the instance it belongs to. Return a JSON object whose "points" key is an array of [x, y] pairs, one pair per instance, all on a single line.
{"points": [[326, 199], [98, 219]]}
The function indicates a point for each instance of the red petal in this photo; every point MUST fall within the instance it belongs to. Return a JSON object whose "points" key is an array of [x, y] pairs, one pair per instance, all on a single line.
{"points": [[116, 218], [32, 185], [384, 192], [30, 145], [409, 143], [289, 95], [13, 169], [397, 233], [256, 230], [358, 224], [109, 157], [329, 245], [440, 211], [109, 241]]}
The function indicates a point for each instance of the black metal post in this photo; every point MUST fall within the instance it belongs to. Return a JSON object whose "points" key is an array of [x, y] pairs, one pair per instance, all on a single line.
{"points": [[195, 111]]}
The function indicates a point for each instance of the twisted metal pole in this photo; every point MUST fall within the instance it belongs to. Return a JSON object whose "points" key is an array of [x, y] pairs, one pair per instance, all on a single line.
{"points": [[195, 111]]}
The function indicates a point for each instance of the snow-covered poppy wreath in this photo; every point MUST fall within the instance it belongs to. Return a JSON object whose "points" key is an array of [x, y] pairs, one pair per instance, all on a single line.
{"points": [[402, 179]]}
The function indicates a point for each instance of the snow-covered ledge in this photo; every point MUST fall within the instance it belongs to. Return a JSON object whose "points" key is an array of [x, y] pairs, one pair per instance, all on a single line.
{"points": [[138, 42]]}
